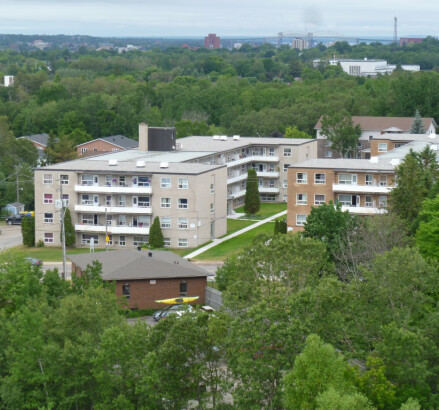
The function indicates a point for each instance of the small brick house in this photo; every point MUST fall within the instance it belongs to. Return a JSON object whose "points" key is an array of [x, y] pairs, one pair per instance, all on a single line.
{"points": [[102, 145], [144, 276]]}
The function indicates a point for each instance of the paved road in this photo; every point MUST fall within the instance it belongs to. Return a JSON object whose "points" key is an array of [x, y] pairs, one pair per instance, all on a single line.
{"points": [[10, 236]]}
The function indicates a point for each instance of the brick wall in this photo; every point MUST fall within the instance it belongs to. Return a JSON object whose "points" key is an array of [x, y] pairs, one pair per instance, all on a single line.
{"points": [[98, 146]]}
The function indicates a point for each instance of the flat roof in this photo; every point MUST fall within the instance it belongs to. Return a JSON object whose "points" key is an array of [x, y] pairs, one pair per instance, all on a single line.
{"points": [[345, 164], [408, 137]]}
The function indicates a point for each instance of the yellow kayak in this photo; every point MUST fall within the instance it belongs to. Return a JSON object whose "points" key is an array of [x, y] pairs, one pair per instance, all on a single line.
{"points": [[178, 301]]}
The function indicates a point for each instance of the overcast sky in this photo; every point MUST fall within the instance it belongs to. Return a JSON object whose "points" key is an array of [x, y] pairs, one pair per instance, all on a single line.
{"points": [[170, 18]]}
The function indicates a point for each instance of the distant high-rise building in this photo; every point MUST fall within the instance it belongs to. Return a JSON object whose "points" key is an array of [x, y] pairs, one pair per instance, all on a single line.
{"points": [[212, 41], [299, 43]]}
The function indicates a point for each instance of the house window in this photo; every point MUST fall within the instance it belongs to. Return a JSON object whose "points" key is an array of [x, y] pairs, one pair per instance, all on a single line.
{"points": [[47, 179], [328, 154], [319, 199], [165, 183], [64, 179], [368, 200], [139, 240], [86, 239], [212, 188], [369, 179], [182, 223], [165, 202], [300, 220], [122, 240], [65, 200], [271, 152], [182, 242], [95, 149], [383, 180], [126, 290], [286, 166], [165, 222], [320, 179], [83, 150], [48, 198], [183, 183], [302, 178], [183, 288], [48, 217], [115, 150], [328, 143], [301, 199], [48, 237], [382, 200], [212, 208], [285, 183], [182, 203], [382, 147], [347, 179], [167, 241], [287, 152]]}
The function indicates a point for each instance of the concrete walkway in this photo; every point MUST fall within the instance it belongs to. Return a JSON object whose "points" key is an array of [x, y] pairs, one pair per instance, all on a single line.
{"points": [[232, 235]]}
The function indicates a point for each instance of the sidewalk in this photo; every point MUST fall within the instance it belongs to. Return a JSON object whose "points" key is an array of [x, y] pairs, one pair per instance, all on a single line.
{"points": [[232, 235]]}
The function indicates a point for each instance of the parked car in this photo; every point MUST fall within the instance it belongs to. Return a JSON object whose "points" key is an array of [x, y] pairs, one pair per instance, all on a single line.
{"points": [[177, 310], [34, 261], [14, 219]]}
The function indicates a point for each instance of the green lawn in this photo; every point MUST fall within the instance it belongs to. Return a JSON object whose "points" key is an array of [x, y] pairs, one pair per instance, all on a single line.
{"points": [[266, 210], [234, 225], [235, 245], [48, 254]]}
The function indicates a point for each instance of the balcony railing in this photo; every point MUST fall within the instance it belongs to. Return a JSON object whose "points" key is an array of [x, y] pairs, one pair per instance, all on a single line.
{"points": [[100, 209], [360, 189], [113, 229], [116, 189]]}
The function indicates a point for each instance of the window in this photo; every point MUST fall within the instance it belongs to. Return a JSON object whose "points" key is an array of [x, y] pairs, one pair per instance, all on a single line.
{"points": [[359, 145], [399, 145], [89, 180], [271, 152], [83, 150], [48, 217], [368, 200], [122, 240], [122, 200], [87, 199], [109, 220], [122, 181], [65, 200], [300, 220], [271, 167], [286, 166], [302, 178], [383, 180], [182, 223], [212, 208], [126, 290], [139, 240], [110, 240], [88, 219], [95, 149], [48, 198], [108, 200], [183, 183], [167, 241], [319, 199], [142, 221], [285, 198], [165, 202], [165, 222], [267, 197], [212, 188], [108, 180], [260, 182], [165, 183], [301, 199], [47, 179], [86, 239], [183, 288], [182, 203], [382, 147], [48, 237], [287, 152], [271, 183], [285, 183], [382, 200], [115, 150], [182, 242], [347, 179], [345, 199], [122, 220], [369, 179], [328, 143], [64, 179], [320, 179], [328, 154], [143, 181], [144, 202]]}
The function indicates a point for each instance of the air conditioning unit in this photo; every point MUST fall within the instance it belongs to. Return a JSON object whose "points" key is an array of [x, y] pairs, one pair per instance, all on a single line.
{"points": [[112, 162], [140, 164], [216, 137], [223, 138], [164, 164], [236, 137]]}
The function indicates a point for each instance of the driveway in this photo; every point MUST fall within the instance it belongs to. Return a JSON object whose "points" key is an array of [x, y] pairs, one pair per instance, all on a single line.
{"points": [[10, 236]]}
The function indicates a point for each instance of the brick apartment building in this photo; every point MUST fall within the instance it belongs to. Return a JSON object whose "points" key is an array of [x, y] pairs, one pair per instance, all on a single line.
{"points": [[212, 41]]}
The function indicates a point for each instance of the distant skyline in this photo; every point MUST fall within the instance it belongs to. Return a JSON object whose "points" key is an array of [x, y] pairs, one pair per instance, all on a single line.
{"points": [[195, 18]]}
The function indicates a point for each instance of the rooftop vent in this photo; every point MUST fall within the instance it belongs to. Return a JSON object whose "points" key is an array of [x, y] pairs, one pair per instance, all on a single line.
{"points": [[395, 161], [216, 137], [140, 164], [374, 160], [112, 162], [164, 164], [236, 137], [223, 137], [150, 254]]}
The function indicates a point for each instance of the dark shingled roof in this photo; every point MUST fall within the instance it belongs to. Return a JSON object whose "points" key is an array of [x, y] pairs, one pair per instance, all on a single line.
{"points": [[38, 138], [133, 264], [122, 141]]}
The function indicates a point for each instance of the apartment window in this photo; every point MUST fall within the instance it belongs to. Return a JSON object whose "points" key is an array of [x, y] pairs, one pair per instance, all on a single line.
{"points": [[122, 220], [48, 237], [108, 200], [368, 200], [286, 166], [183, 288], [143, 181], [287, 152], [382, 200], [260, 182], [122, 200], [65, 200], [347, 179], [319, 199], [126, 290], [328, 154], [87, 238], [139, 240], [271, 152], [182, 203], [142, 221], [48, 198], [109, 180], [122, 181], [212, 188], [271, 183], [345, 199], [302, 178], [165, 202], [47, 179], [382, 147], [182, 223], [267, 197], [109, 220], [243, 184], [89, 219], [212, 208], [301, 199], [271, 167], [369, 179], [165, 222], [167, 241], [110, 240], [89, 180], [300, 220], [320, 179], [48, 217], [144, 202], [122, 240], [383, 180], [64, 179], [285, 198], [183, 183], [182, 243], [165, 183], [328, 143], [285, 183], [359, 145], [87, 199]]}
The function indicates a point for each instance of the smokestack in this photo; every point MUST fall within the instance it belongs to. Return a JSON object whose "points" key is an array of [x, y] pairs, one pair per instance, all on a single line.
{"points": [[143, 137]]}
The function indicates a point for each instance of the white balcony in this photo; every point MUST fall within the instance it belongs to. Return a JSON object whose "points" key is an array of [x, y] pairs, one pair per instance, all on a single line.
{"points": [[363, 210], [237, 194], [100, 209], [260, 174], [237, 178], [253, 158], [112, 229], [268, 174], [268, 190], [361, 189], [99, 189]]}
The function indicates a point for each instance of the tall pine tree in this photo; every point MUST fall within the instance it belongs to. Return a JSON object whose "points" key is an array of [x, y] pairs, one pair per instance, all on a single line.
{"points": [[69, 229], [252, 202], [155, 235], [417, 124]]}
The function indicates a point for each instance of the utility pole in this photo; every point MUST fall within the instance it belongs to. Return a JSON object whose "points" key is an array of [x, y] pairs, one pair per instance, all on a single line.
{"points": [[395, 29], [106, 230], [18, 187], [63, 231]]}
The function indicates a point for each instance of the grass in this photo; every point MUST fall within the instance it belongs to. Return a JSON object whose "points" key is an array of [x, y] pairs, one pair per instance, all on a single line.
{"points": [[48, 254], [234, 225], [235, 245], [266, 210]]}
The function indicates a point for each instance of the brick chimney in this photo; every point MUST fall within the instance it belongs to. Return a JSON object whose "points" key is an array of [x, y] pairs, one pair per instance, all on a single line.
{"points": [[143, 137]]}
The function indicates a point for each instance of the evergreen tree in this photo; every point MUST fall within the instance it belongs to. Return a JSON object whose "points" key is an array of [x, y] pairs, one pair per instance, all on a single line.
{"points": [[155, 235], [276, 227], [69, 229], [28, 230], [417, 124], [283, 226], [252, 202]]}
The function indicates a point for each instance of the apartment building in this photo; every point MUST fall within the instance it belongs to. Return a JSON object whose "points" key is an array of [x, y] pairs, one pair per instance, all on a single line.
{"points": [[389, 141]]}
